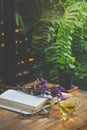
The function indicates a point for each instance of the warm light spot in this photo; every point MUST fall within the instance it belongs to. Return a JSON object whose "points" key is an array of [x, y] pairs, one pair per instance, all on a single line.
{"points": [[26, 72], [64, 118], [16, 42], [26, 39], [2, 33], [22, 73], [22, 62], [20, 41], [16, 52], [2, 45], [19, 74], [2, 22], [17, 30], [18, 63], [31, 59]]}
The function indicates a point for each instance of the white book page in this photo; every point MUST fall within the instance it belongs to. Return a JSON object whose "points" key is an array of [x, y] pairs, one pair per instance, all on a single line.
{"points": [[21, 97]]}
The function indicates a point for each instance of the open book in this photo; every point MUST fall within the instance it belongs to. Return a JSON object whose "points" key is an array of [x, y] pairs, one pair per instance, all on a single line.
{"points": [[20, 102]]}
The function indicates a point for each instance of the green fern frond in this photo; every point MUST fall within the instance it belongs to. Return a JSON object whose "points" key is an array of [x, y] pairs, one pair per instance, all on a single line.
{"points": [[19, 22]]}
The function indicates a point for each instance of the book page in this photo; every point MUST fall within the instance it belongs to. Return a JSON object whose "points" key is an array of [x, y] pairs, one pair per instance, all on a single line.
{"points": [[18, 98]]}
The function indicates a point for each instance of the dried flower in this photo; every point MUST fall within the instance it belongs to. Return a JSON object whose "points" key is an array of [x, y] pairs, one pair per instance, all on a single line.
{"points": [[54, 92]]}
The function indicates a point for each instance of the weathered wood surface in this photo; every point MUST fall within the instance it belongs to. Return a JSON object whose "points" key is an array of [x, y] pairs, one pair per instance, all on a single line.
{"points": [[11, 120]]}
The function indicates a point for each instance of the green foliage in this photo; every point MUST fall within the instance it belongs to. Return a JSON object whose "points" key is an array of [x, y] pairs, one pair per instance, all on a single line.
{"points": [[74, 16], [44, 34], [79, 48], [27, 14], [59, 36], [53, 40]]}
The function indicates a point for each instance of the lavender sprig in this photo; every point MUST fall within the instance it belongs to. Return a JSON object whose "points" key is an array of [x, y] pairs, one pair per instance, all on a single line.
{"points": [[55, 91]]}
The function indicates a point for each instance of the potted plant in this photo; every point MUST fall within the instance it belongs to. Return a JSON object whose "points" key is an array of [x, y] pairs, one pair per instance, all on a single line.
{"points": [[65, 76], [60, 54], [52, 42], [64, 64]]}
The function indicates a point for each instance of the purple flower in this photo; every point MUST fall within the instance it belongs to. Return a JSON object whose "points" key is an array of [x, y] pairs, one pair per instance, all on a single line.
{"points": [[58, 93], [43, 81], [55, 91]]}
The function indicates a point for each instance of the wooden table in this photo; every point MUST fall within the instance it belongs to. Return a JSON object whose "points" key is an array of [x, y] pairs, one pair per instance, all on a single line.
{"points": [[11, 121], [36, 82]]}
